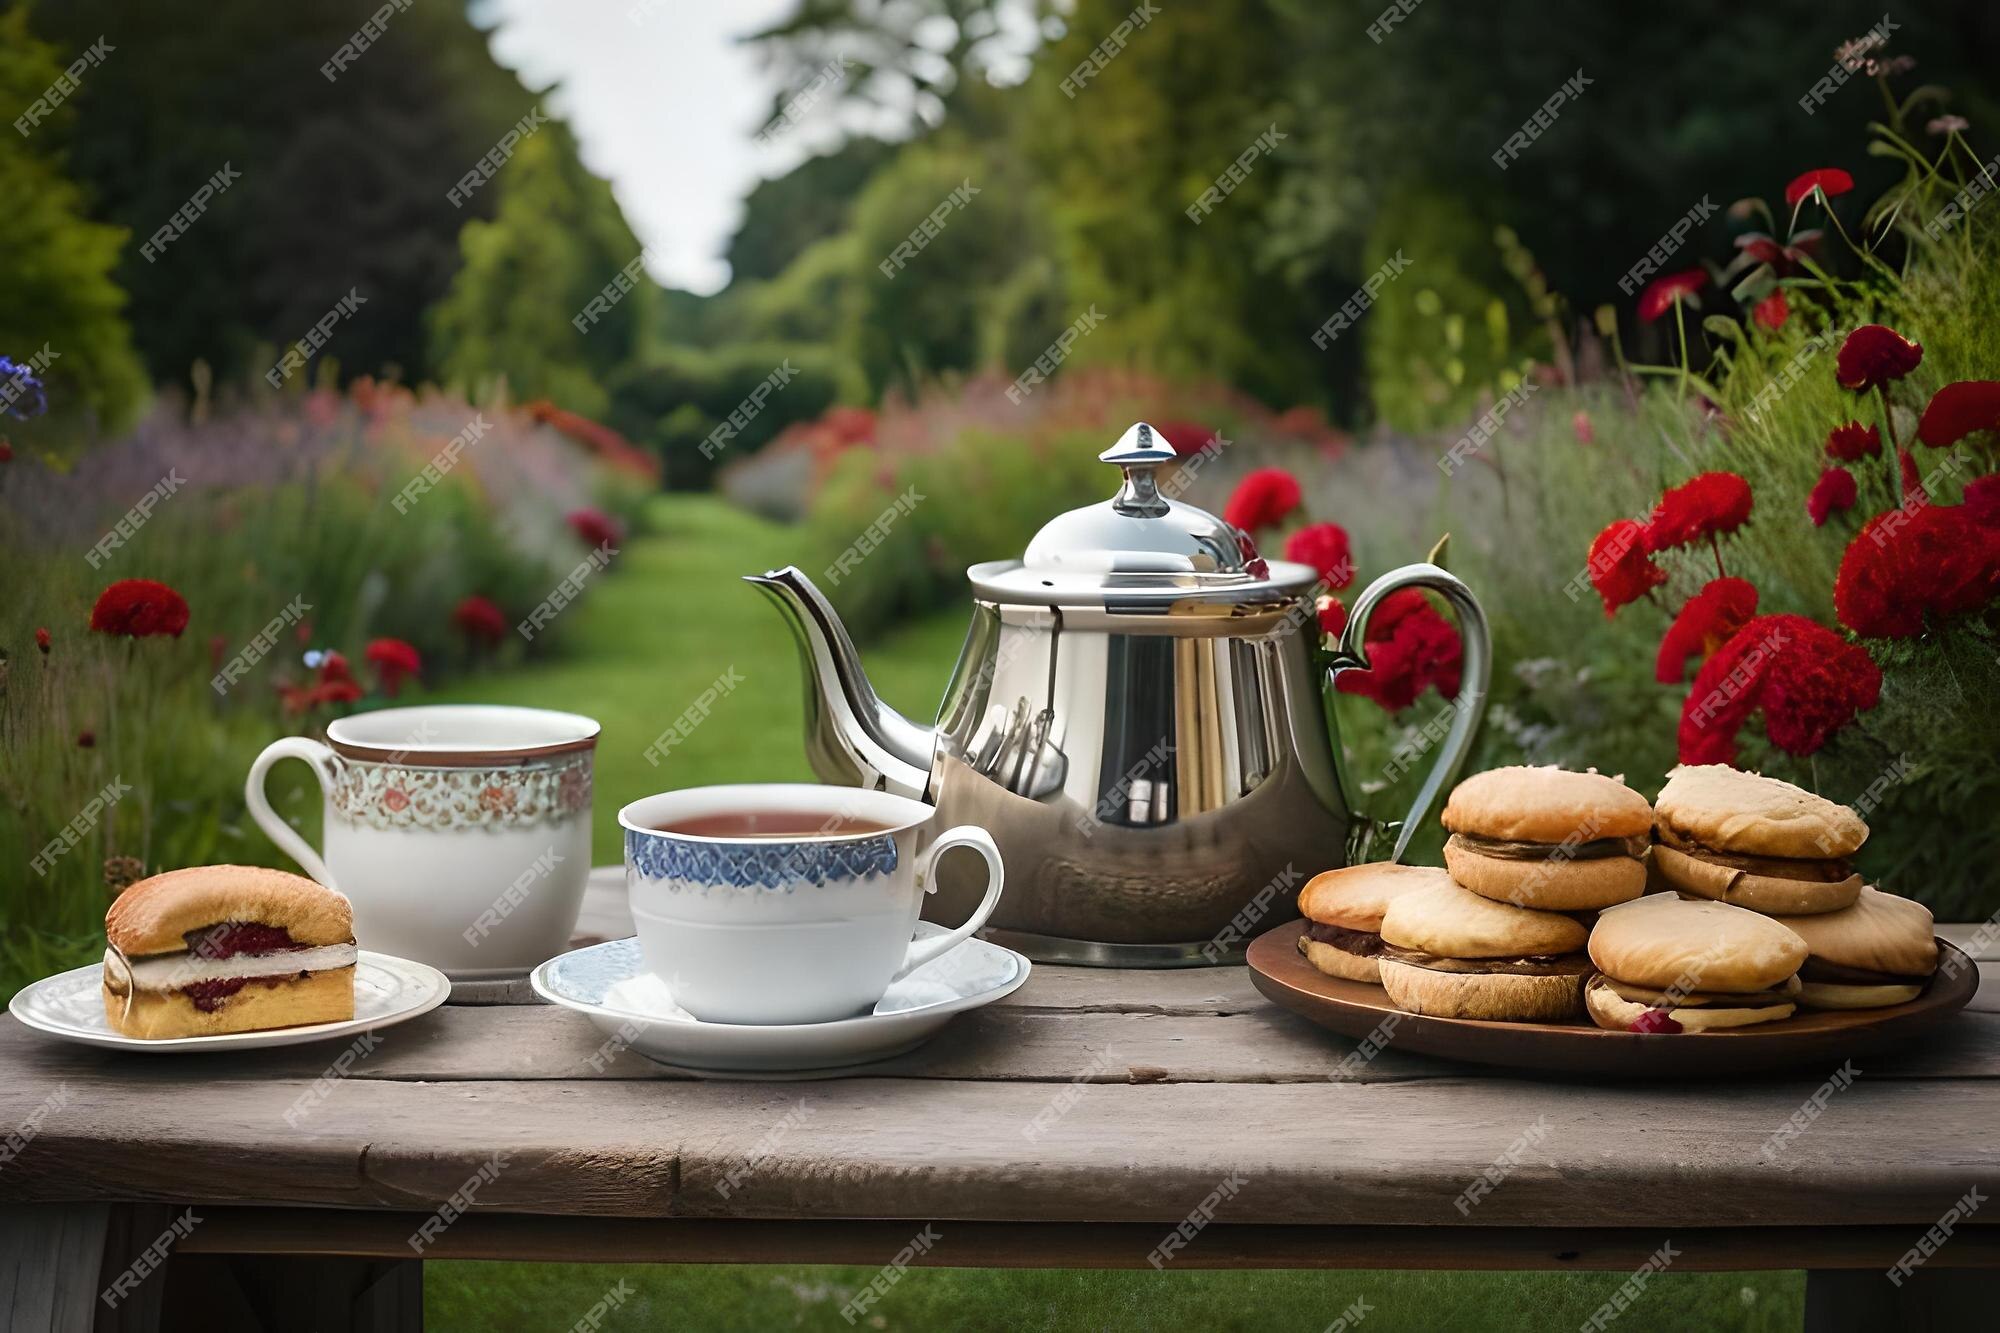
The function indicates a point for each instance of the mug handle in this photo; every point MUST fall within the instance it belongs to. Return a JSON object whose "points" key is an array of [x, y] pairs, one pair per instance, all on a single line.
{"points": [[288, 840], [965, 835]]}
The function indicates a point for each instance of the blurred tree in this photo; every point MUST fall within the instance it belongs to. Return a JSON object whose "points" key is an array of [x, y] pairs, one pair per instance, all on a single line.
{"points": [[342, 181], [903, 60], [784, 215], [56, 289], [557, 241], [1126, 150]]}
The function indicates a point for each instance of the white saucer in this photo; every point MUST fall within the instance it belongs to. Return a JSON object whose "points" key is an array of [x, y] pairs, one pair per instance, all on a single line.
{"points": [[387, 990], [610, 983]]}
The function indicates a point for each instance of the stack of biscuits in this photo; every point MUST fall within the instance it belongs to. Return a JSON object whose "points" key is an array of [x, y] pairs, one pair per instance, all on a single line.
{"points": [[1731, 901]]}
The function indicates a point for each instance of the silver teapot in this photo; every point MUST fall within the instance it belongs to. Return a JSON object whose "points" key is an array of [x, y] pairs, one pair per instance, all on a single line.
{"points": [[1141, 718]]}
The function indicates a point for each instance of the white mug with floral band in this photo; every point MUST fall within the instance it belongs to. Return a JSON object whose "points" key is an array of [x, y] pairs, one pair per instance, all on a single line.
{"points": [[460, 832]]}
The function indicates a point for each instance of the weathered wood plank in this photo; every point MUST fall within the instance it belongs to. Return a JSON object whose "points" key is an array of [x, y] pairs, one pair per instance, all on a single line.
{"points": [[1883, 1153], [1071, 1244], [999, 1044]]}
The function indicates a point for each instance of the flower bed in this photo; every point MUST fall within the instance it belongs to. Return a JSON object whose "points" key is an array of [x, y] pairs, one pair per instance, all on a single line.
{"points": [[181, 596]]}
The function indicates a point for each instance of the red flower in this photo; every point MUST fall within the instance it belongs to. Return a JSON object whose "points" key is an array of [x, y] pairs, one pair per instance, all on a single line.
{"points": [[1784, 258], [1936, 560], [595, 527], [1833, 493], [1808, 681], [1772, 311], [1829, 181], [1184, 437], [6, 451], [1664, 293], [1708, 620], [140, 608], [1324, 547], [42, 641], [477, 618], [1853, 442], [1585, 432], [1957, 410], [336, 685], [1619, 568], [86, 739], [393, 660], [1332, 615], [1410, 648], [1262, 499], [1705, 506], [1913, 485], [1982, 500], [1873, 355]]}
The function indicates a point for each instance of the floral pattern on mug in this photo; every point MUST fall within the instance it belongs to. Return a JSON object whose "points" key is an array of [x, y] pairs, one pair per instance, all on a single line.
{"points": [[388, 796]]}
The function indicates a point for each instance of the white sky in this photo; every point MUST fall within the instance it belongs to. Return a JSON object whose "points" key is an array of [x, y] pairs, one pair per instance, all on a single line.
{"points": [[666, 105]]}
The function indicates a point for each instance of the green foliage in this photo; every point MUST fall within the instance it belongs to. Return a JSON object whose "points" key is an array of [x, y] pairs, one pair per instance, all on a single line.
{"points": [[343, 183], [56, 289], [786, 215], [675, 398], [556, 242], [1445, 332]]}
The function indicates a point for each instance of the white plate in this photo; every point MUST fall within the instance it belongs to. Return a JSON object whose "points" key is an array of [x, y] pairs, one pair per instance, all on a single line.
{"points": [[387, 990], [610, 984]]}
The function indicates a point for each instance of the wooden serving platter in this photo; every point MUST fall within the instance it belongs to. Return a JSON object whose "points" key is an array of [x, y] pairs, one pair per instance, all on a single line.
{"points": [[1811, 1036]]}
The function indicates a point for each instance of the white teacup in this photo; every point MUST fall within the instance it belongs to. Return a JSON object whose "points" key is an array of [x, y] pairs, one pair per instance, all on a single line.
{"points": [[460, 832], [803, 927]]}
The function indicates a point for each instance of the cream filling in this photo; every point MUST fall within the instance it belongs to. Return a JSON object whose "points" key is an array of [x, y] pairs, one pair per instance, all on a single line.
{"points": [[173, 970]]}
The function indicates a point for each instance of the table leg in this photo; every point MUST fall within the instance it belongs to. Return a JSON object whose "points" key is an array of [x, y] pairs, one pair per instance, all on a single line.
{"points": [[271, 1293], [1931, 1300]]}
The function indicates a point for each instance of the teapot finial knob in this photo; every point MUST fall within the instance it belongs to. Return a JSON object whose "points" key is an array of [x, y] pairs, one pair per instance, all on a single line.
{"points": [[1139, 451]]}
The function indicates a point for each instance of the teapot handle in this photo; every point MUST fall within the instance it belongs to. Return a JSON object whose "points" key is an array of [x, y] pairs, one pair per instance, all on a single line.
{"points": [[1466, 709]]}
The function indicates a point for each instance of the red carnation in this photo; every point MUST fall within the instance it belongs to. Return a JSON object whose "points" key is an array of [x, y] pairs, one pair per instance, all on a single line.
{"points": [[1832, 494], [1709, 505], [336, 685], [477, 618], [1619, 568], [1936, 560], [1262, 499], [1853, 442], [1664, 293], [1982, 500], [595, 527], [1585, 432], [42, 641], [1708, 621], [1332, 615], [1829, 181], [394, 661], [1957, 410], [1808, 681], [1772, 311], [1324, 547], [140, 608], [1873, 355], [1410, 648]]}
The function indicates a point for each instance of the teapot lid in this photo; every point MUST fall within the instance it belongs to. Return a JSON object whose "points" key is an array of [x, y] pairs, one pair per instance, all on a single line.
{"points": [[1141, 546]]}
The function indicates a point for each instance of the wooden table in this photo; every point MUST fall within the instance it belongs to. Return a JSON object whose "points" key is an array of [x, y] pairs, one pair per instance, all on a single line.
{"points": [[1159, 1096]]}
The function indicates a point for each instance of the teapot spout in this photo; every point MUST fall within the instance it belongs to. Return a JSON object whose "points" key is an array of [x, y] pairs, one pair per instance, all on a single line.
{"points": [[852, 737]]}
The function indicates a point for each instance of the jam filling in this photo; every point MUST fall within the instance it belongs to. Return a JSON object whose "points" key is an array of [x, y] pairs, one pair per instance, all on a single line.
{"points": [[1655, 1020], [230, 938], [209, 996], [1598, 849], [1361, 943]]}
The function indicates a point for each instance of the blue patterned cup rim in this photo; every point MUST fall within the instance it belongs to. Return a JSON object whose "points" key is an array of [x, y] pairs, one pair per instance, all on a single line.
{"points": [[891, 812]]}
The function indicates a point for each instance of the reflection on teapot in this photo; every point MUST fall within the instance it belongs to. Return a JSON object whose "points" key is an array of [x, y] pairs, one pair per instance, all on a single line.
{"points": [[1139, 718]]}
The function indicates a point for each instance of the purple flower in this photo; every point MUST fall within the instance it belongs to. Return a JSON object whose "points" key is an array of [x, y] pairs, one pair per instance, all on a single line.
{"points": [[21, 394]]}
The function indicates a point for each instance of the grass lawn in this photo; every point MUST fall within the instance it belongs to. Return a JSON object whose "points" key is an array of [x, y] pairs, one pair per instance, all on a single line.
{"points": [[663, 626]]}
